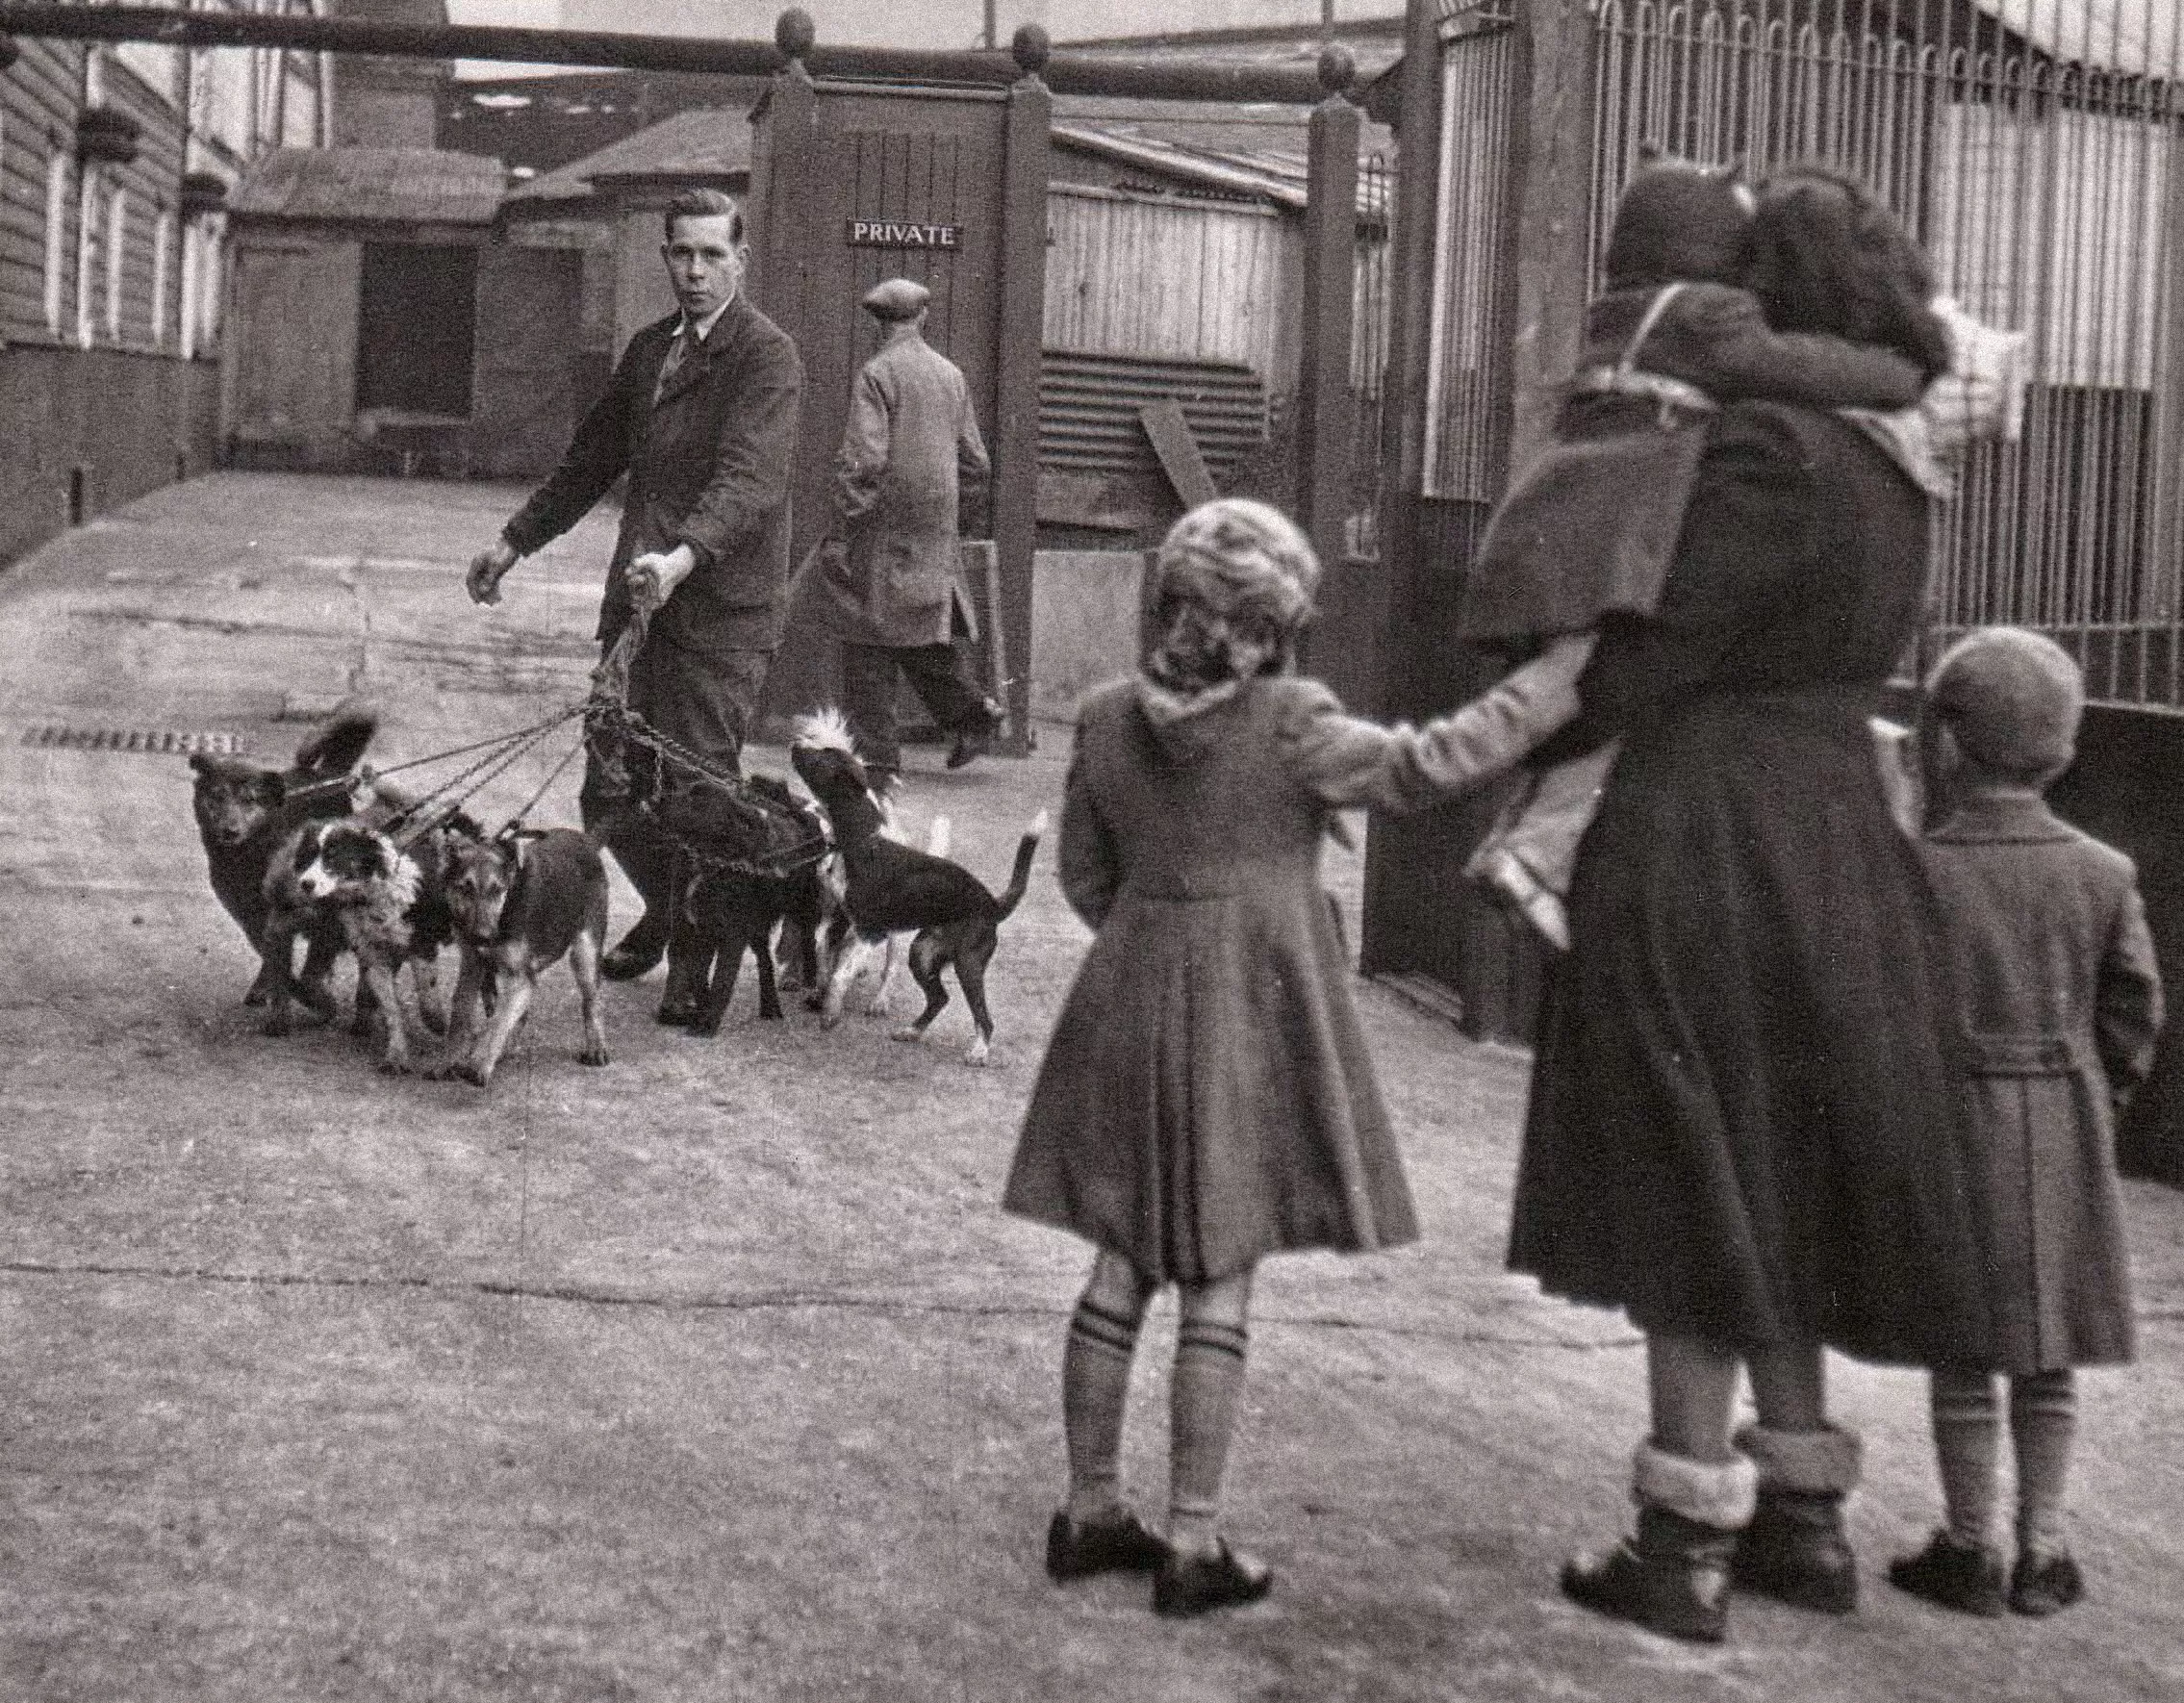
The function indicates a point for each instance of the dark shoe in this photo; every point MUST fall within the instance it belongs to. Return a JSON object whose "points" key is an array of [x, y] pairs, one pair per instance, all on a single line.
{"points": [[1672, 1578], [1794, 1551], [1967, 1577], [2044, 1584], [1113, 1546], [974, 743], [1188, 1585], [639, 953]]}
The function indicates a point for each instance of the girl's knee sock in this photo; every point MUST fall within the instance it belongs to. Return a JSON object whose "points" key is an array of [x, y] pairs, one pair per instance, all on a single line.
{"points": [[1967, 1436], [1094, 1389], [2044, 1424], [1209, 1382]]}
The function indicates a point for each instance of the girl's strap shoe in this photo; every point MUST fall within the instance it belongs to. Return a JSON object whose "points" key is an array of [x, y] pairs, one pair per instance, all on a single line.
{"points": [[1122, 1545], [1189, 1584]]}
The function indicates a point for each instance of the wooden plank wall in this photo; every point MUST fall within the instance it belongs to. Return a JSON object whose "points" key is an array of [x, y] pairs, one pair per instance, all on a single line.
{"points": [[1130, 274], [38, 102]]}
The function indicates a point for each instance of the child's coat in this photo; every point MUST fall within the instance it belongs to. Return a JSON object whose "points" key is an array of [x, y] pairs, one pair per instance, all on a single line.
{"points": [[2058, 1002]]}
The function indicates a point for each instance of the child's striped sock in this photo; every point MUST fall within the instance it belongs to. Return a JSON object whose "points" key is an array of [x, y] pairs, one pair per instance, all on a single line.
{"points": [[1095, 1387], [1202, 1405]]}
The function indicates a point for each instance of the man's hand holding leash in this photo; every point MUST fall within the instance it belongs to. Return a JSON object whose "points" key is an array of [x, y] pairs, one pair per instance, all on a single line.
{"points": [[653, 576]]}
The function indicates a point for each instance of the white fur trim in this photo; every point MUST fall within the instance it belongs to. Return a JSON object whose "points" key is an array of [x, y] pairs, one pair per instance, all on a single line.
{"points": [[1824, 1461], [1722, 1496]]}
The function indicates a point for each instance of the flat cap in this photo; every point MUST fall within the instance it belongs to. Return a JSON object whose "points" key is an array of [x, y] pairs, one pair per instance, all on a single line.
{"points": [[898, 299]]}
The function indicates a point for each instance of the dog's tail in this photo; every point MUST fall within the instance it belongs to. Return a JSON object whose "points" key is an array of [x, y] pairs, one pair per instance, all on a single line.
{"points": [[1020, 877], [339, 745]]}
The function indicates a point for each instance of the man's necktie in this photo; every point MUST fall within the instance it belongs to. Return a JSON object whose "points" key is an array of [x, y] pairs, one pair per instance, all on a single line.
{"points": [[679, 351]]}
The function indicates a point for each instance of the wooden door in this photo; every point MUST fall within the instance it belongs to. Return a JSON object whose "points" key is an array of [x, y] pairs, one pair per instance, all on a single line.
{"points": [[288, 354]]}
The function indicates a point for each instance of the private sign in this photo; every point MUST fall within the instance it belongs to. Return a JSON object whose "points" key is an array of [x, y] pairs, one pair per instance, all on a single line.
{"points": [[895, 233]]}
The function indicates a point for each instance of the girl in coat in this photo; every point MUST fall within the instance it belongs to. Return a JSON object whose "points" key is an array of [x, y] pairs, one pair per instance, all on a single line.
{"points": [[1206, 1098], [2058, 1001]]}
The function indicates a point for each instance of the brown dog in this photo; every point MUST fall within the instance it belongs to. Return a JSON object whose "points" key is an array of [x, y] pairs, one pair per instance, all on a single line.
{"points": [[520, 901]]}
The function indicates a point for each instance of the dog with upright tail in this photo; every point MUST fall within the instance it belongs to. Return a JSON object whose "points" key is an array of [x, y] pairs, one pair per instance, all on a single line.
{"points": [[892, 888]]}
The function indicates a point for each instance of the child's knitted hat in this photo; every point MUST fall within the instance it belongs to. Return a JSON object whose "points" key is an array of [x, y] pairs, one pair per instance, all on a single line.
{"points": [[2012, 699], [1679, 221]]}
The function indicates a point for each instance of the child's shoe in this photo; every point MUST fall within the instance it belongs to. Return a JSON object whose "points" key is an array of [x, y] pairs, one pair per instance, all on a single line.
{"points": [[1120, 1544], [1503, 874], [2044, 1584], [1191, 1585], [1967, 1577]]}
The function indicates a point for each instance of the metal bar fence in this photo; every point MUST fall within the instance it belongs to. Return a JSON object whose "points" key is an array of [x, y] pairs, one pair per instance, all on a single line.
{"points": [[1368, 354], [2030, 145]]}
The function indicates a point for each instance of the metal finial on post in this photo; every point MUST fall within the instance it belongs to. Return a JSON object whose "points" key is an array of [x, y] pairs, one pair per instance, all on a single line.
{"points": [[1337, 68], [794, 33], [1031, 47]]}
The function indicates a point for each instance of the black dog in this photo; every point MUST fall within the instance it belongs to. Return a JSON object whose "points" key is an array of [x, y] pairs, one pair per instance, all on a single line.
{"points": [[750, 859], [889, 887], [245, 811]]}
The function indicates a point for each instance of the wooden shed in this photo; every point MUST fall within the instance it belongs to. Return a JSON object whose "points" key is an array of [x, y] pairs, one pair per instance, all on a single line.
{"points": [[375, 326]]}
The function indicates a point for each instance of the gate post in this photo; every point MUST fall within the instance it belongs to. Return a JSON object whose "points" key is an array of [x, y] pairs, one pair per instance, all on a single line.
{"points": [[1324, 429], [782, 158], [1025, 141]]}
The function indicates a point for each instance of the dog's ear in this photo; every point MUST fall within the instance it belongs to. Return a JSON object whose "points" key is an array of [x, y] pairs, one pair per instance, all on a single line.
{"points": [[269, 789]]}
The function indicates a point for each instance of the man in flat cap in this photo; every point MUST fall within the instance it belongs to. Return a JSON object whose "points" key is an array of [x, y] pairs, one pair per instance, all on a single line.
{"points": [[891, 571]]}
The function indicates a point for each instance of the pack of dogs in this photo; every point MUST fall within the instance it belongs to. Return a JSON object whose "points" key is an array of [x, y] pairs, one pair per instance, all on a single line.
{"points": [[324, 855]]}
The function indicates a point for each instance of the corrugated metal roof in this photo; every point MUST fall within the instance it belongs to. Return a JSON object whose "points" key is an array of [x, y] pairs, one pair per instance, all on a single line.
{"points": [[370, 185], [705, 143], [1089, 405], [1253, 150]]}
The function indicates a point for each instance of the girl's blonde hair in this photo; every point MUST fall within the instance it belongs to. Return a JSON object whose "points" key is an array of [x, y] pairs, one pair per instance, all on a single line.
{"points": [[1233, 587]]}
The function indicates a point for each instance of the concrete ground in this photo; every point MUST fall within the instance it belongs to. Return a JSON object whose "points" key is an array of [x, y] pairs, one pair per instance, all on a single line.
{"points": [[718, 1374]]}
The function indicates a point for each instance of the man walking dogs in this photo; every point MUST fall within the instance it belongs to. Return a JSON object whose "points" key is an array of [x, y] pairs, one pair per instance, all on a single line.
{"points": [[891, 568], [702, 415]]}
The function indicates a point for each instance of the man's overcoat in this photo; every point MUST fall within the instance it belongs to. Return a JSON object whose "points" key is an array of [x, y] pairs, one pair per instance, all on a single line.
{"points": [[911, 453], [708, 464]]}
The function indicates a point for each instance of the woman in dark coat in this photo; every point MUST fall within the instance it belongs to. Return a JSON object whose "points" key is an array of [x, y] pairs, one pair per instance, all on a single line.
{"points": [[1741, 1128]]}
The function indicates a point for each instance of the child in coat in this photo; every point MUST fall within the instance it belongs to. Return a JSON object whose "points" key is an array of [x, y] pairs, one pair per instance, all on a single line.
{"points": [[1206, 1098], [2059, 1003], [1589, 529]]}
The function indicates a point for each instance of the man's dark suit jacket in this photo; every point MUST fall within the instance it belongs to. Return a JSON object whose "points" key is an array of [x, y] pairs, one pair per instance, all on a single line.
{"points": [[708, 465]]}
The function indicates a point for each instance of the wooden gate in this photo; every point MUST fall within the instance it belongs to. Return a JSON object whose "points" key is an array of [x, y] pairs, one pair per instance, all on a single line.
{"points": [[854, 183]]}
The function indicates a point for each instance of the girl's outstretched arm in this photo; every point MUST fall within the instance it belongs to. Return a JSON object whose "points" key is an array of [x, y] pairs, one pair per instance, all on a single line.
{"points": [[1345, 760]]}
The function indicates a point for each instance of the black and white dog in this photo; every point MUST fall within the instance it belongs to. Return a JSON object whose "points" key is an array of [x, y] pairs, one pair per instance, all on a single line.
{"points": [[889, 887], [390, 904]]}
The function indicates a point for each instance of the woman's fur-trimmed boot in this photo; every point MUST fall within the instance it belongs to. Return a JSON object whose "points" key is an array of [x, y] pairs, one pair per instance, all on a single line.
{"points": [[1673, 1576], [1795, 1550]]}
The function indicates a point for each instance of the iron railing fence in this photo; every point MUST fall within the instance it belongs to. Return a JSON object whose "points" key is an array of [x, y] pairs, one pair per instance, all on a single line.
{"points": [[2032, 147], [1372, 303]]}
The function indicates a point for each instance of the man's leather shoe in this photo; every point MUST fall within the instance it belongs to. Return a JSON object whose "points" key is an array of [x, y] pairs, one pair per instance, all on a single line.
{"points": [[640, 950], [974, 743]]}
